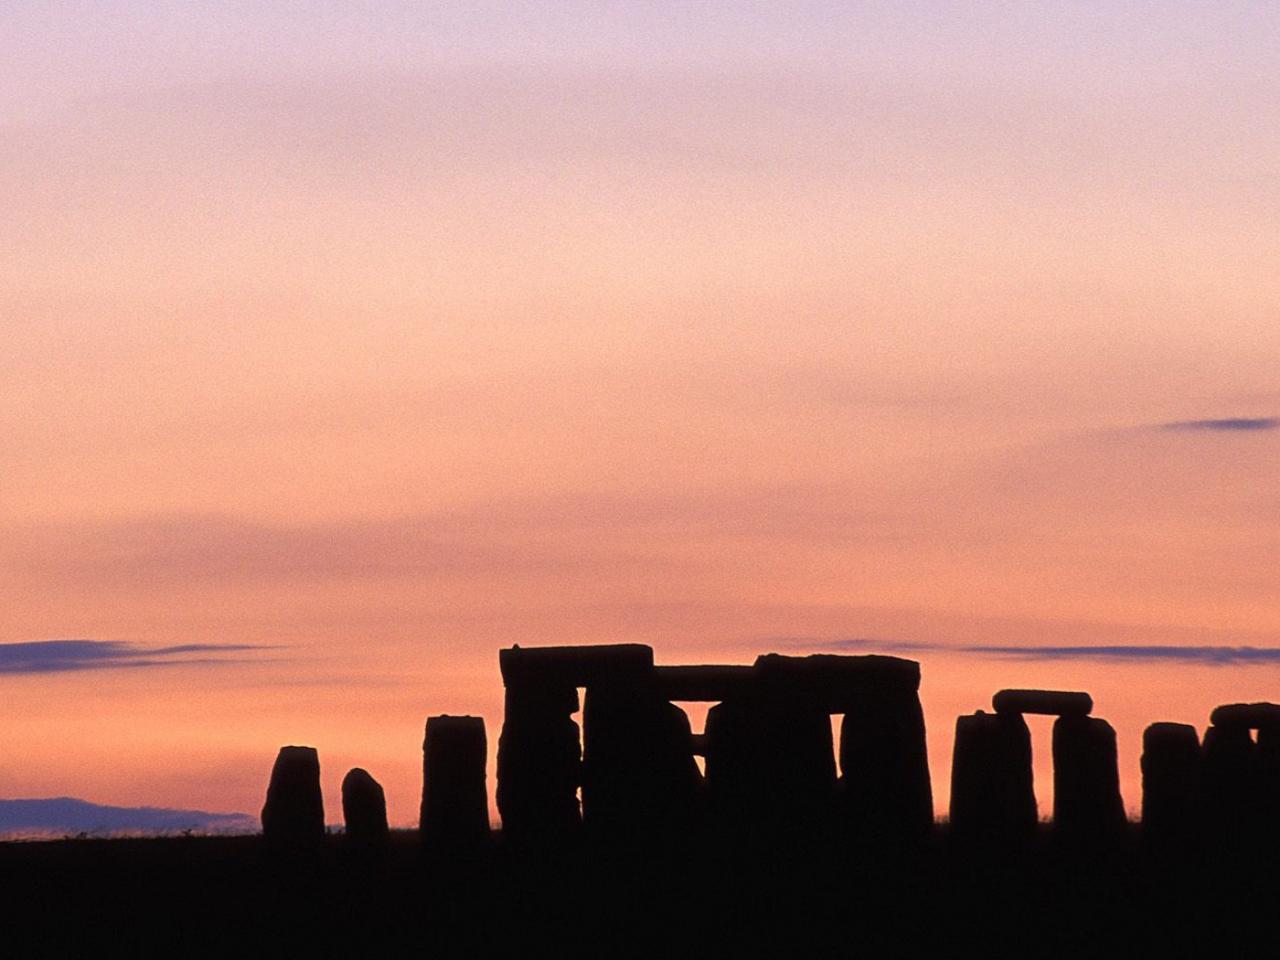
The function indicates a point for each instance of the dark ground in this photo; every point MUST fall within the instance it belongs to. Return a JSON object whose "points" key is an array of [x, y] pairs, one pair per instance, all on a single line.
{"points": [[236, 897]]}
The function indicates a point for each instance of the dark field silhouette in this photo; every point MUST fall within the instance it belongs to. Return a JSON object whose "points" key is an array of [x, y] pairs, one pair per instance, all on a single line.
{"points": [[727, 894], [614, 843]]}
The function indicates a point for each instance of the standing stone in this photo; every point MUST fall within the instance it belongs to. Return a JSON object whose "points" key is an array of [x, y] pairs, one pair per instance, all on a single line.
{"points": [[294, 810], [539, 762], [884, 767], [1244, 795], [638, 771], [539, 753], [364, 807], [770, 761], [1268, 779], [1170, 780], [1229, 782], [992, 793], [1086, 779], [455, 798]]}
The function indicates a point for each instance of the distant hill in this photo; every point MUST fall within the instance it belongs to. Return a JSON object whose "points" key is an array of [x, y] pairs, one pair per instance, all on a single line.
{"points": [[66, 815]]}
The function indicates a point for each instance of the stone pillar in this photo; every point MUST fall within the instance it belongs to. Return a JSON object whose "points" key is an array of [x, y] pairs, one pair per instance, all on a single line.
{"points": [[539, 759], [364, 808], [1086, 778], [455, 798], [1229, 782], [1268, 750], [992, 793], [770, 760], [294, 810], [884, 765], [1232, 799], [1241, 777], [1170, 780], [638, 771]]}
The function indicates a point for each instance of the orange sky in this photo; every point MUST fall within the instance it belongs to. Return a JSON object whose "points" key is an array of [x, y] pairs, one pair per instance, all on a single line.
{"points": [[384, 343]]}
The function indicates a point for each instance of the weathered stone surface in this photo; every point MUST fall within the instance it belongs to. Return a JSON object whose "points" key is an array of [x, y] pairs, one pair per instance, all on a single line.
{"points": [[364, 807], [294, 810], [992, 794], [710, 684], [539, 762], [1170, 780], [1058, 703], [884, 767], [638, 771], [579, 666], [455, 800], [1086, 779], [1251, 716], [769, 762]]}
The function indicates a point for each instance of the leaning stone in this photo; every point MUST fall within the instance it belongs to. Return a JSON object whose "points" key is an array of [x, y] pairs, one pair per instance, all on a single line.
{"points": [[638, 771], [364, 807], [1059, 703], [884, 767], [294, 810], [455, 799], [1251, 716], [992, 793], [1170, 780], [1086, 779]]}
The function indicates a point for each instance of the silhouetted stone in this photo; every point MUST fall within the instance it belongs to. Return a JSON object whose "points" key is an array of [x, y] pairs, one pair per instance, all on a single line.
{"points": [[364, 807], [1251, 716], [579, 666], [992, 793], [638, 771], [1056, 703], [455, 799], [1086, 781], [769, 762], [710, 684], [1242, 777], [833, 683], [884, 767], [1229, 780], [1170, 780], [294, 810], [1267, 750], [539, 761]]}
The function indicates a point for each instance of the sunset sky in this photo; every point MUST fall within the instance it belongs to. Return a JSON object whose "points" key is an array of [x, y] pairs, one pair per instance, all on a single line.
{"points": [[344, 343]]}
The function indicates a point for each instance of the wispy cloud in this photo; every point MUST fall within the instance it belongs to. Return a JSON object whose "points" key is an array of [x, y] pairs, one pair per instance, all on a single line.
{"points": [[59, 656], [1175, 653], [1228, 425], [571, 534]]}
